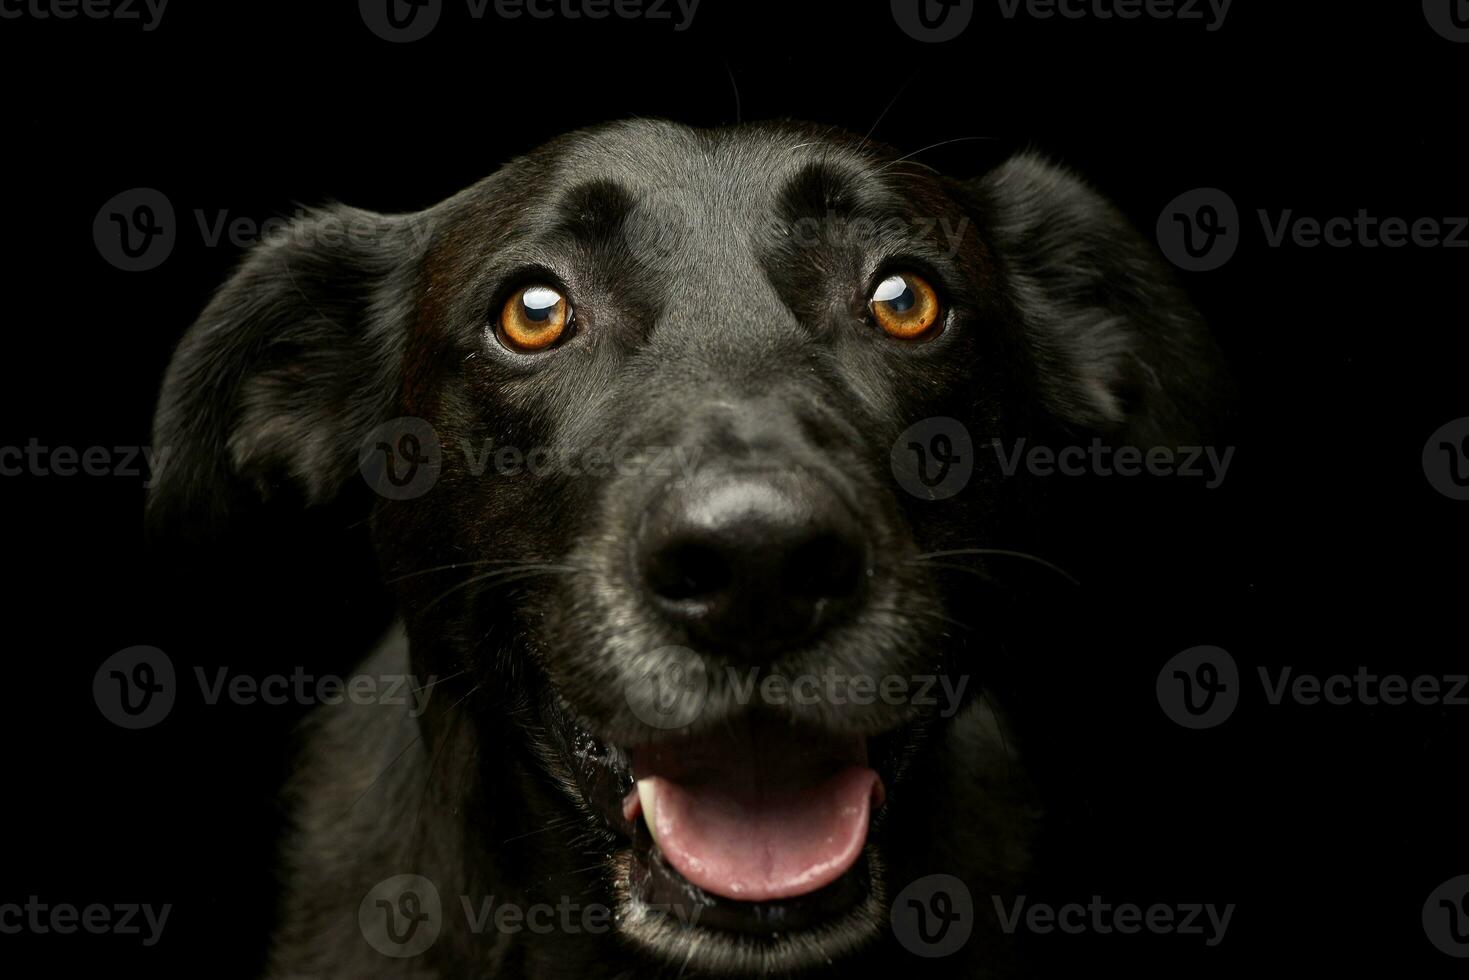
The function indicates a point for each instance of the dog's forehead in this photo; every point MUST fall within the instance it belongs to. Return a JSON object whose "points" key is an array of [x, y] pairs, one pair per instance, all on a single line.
{"points": [[694, 197], [707, 212], [713, 173]]}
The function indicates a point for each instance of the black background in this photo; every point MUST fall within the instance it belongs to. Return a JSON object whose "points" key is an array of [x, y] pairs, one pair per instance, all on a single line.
{"points": [[1328, 826]]}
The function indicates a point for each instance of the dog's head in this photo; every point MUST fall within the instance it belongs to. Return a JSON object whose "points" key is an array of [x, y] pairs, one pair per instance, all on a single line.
{"points": [[670, 428]]}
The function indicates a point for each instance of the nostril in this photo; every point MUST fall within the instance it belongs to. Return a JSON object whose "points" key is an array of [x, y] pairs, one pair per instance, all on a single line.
{"points": [[682, 570], [826, 566]]}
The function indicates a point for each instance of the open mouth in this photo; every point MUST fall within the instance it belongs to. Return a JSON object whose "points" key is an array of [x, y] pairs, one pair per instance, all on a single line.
{"points": [[761, 815], [755, 830]]}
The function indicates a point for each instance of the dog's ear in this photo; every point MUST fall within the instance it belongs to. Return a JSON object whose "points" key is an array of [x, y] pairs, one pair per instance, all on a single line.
{"points": [[294, 361], [1119, 346]]}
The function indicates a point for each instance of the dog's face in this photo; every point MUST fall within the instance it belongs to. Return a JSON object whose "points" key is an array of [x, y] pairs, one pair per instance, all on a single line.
{"points": [[672, 377]]}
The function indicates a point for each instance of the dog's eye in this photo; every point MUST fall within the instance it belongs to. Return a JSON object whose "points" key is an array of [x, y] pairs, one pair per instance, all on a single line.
{"points": [[534, 318], [905, 306]]}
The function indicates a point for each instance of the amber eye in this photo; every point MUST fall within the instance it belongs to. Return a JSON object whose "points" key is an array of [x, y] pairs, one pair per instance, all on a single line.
{"points": [[905, 306], [534, 318]]}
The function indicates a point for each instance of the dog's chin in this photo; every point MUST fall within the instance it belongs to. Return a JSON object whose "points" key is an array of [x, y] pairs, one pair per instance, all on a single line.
{"points": [[698, 910], [674, 922]]}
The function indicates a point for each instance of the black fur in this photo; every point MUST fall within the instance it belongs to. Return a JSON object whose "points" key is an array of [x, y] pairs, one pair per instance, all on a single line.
{"points": [[704, 323]]}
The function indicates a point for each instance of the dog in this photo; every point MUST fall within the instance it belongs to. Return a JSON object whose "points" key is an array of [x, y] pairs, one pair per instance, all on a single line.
{"points": [[746, 361]]}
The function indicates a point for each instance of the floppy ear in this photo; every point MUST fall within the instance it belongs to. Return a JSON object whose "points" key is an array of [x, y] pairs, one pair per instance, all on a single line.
{"points": [[288, 369], [1120, 348]]}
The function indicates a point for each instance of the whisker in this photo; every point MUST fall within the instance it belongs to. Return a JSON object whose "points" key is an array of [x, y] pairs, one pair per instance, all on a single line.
{"points": [[924, 613], [433, 767], [1000, 731], [561, 823], [948, 567], [1000, 552], [739, 114], [886, 109], [476, 563], [574, 871], [505, 576], [916, 163], [378, 778], [416, 739], [440, 680], [934, 146]]}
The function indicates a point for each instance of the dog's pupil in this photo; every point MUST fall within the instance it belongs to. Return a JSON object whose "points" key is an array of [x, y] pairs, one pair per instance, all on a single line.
{"points": [[539, 304], [897, 293]]}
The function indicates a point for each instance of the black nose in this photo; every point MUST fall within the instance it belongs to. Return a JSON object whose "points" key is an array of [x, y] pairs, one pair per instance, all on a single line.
{"points": [[752, 563]]}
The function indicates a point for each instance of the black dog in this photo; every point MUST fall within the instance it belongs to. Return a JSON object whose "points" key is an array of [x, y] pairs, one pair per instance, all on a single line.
{"points": [[640, 406]]}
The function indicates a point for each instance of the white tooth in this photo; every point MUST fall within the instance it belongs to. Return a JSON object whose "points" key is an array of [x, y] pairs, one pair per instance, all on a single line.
{"points": [[648, 796]]}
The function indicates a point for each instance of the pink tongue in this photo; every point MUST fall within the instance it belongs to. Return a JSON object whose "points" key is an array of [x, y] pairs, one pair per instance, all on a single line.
{"points": [[756, 832]]}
